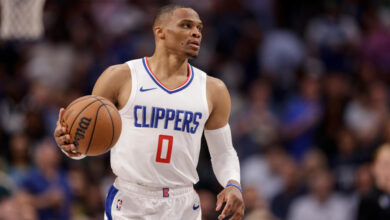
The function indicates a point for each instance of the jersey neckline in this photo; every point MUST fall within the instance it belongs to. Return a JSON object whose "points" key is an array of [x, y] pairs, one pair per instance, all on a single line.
{"points": [[161, 85]]}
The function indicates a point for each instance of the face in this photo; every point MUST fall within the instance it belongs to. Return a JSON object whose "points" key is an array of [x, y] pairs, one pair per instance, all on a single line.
{"points": [[46, 155], [180, 32], [322, 185], [381, 169]]}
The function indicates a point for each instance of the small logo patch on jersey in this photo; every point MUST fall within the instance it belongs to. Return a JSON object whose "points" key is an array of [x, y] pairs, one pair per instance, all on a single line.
{"points": [[145, 90], [165, 192], [195, 207], [119, 204]]}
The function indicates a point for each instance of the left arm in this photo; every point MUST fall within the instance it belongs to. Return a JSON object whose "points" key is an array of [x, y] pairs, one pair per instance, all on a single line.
{"points": [[223, 155]]}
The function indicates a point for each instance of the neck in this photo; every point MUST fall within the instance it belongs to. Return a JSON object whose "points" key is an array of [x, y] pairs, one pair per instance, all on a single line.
{"points": [[167, 64]]}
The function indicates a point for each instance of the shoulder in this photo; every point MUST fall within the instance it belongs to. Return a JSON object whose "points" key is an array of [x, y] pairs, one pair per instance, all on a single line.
{"points": [[215, 85], [115, 76], [119, 71], [111, 82]]}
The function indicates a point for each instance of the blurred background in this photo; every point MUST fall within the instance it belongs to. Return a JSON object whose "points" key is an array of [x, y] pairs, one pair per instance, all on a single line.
{"points": [[308, 80]]}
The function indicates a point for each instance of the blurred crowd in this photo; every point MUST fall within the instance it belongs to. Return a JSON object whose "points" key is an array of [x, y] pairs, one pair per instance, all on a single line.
{"points": [[309, 86]]}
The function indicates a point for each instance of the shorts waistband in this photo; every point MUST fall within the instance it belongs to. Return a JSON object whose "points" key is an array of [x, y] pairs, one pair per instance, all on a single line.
{"points": [[156, 192]]}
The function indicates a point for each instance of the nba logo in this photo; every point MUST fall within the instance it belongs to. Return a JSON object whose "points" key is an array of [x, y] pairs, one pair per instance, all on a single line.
{"points": [[165, 192], [119, 204]]}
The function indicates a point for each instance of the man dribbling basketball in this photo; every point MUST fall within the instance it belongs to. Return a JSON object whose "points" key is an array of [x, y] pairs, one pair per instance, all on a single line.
{"points": [[165, 105]]}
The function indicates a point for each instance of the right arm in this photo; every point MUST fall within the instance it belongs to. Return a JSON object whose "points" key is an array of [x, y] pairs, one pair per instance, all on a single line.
{"points": [[112, 85]]}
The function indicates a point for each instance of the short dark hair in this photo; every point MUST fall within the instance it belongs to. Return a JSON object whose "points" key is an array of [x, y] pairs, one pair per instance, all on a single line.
{"points": [[166, 9]]}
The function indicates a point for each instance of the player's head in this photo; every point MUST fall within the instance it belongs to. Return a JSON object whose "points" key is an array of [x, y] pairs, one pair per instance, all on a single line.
{"points": [[177, 29], [381, 166]]}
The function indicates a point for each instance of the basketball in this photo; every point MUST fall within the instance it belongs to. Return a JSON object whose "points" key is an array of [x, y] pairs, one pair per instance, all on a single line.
{"points": [[94, 124]]}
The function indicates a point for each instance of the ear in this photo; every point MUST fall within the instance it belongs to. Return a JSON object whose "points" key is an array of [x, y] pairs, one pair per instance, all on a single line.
{"points": [[159, 32]]}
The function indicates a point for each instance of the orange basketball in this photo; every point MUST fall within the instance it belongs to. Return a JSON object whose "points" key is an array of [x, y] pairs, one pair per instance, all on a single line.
{"points": [[94, 124]]}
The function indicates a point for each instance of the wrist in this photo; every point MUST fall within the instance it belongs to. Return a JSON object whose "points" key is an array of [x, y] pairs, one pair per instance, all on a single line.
{"points": [[234, 185]]}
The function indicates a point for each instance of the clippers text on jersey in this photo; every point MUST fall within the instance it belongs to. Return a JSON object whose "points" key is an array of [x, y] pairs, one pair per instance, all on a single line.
{"points": [[175, 119]]}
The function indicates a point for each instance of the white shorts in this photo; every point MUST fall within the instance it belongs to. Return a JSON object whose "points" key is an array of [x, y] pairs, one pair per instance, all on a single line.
{"points": [[130, 201]]}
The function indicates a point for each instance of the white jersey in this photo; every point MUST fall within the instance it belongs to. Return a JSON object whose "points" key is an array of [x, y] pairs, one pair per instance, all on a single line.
{"points": [[161, 129]]}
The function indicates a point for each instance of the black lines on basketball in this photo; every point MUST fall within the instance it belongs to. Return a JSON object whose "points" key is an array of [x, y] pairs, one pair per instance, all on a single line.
{"points": [[112, 123], [70, 129], [93, 129]]}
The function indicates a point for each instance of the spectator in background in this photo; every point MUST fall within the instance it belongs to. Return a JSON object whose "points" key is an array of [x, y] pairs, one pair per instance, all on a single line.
{"points": [[313, 161], [13, 107], [51, 56], [293, 188], [345, 162], [333, 37], [376, 203], [280, 56], [78, 183], [6, 185], [47, 184], [20, 165], [375, 45], [363, 179], [301, 117], [18, 207], [257, 207], [386, 132], [337, 92], [367, 114], [260, 215], [257, 126], [263, 172], [42, 111], [95, 200], [364, 183], [322, 202]]}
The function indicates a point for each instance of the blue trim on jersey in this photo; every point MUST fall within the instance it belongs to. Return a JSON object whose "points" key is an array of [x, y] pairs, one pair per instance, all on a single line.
{"points": [[162, 86], [109, 200]]}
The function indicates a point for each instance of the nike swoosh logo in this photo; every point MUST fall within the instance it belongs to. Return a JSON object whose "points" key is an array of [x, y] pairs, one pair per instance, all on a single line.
{"points": [[195, 207], [145, 90]]}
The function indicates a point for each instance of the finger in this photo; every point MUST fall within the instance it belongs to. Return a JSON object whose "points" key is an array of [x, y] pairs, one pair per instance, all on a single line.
{"points": [[72, 154], [63, 140], [220, 200], [226, 211], [59, 131], [60, 114], [238, 214], [69, 148]]}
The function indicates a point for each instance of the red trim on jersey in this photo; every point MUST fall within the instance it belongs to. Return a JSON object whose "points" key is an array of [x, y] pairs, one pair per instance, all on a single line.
{"points": [[155, 77]]}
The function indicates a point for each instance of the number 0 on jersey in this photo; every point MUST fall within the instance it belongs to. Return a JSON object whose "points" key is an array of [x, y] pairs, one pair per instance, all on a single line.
{"points": [[164, 148]]}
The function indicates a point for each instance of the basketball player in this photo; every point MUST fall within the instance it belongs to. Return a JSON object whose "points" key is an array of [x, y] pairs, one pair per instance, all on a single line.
{"points": [[165, 105]]}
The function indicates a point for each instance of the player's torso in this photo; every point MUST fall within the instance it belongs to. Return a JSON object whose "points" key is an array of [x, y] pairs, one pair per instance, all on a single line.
{"points": [[161, 129]]}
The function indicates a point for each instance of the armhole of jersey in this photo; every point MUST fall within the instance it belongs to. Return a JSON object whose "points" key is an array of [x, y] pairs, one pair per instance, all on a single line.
{"points": [[134, 88], [204, 90]]}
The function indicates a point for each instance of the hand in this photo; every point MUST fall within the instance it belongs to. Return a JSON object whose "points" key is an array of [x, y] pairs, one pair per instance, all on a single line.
{"points": [[63, 138], [234, 203]]}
